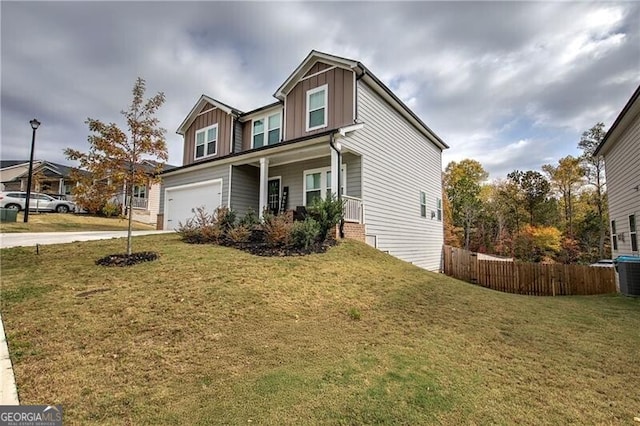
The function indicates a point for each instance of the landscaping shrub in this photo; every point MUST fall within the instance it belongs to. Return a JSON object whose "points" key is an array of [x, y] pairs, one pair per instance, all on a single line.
{"points": [[203, 228], [250, 219], [111, 209], [327, 213], [225, 218], [239, 234], [277, 229], [304, 234]]}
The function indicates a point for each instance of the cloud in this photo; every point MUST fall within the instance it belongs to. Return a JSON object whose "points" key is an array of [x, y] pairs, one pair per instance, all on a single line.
{"points": [[484, 75]]}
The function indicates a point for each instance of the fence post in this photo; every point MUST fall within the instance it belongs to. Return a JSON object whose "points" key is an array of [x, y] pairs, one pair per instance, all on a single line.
{"points": [[553, 280], [473, 268]]}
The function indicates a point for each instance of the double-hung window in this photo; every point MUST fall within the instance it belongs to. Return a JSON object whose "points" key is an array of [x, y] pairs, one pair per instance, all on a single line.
{"points": [[633, 233], [140, 191], [439, 209], [317, 108], [266, 130], [423, 204], [317, 184], [207, 141], [614, 235]]}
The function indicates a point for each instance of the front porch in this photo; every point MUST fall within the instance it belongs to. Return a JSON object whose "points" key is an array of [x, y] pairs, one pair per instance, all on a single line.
{"points": [[292, 180]]}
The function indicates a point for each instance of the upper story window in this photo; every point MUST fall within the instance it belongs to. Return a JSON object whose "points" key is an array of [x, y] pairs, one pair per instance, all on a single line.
{"points": [[317, 108], [632, 232], [269, 133], [206, 141], [423, 204], [614, 235]]}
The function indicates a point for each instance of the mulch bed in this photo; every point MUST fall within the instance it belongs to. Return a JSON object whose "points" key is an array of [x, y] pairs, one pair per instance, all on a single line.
{"points": [[122, 259]]}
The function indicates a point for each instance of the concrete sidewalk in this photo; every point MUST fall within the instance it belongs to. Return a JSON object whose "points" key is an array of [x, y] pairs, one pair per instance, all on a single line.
{"points": [[8, 391], [43, 238]]}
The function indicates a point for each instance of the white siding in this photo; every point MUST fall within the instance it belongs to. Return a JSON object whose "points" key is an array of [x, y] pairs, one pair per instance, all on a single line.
{"points": [[398, 162], [154, 202], [622, 164]]}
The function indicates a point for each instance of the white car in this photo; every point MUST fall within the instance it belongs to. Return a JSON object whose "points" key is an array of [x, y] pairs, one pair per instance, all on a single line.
{"points": [[40, 202]]}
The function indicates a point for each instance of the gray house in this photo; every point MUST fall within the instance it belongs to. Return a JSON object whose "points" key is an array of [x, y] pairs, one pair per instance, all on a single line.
{"points": [[334, 125], [621, 151]]}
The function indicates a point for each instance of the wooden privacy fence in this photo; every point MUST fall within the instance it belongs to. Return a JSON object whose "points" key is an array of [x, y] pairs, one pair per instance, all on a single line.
{"points": [[536, 279]]}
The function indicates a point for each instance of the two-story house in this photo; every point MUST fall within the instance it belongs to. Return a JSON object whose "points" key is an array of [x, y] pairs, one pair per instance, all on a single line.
{"points": [[621, 151], [334, 125]]}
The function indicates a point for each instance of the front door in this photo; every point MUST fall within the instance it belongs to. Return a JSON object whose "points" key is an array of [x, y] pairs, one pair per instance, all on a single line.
{"points": [[273, 195]]}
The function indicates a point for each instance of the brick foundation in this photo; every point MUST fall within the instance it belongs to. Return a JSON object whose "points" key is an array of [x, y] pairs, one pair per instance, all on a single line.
{"points": [[353, 231], [160, 222]]}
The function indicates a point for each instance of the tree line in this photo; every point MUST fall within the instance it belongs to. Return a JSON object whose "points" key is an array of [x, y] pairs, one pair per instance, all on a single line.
{"points": [[556, 214]]}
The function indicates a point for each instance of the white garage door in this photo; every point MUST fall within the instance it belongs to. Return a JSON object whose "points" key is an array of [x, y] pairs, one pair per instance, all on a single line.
{"points": [[182, 201]]}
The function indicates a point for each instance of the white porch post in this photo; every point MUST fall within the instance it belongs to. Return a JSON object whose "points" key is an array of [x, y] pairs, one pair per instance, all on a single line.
{"points": [[61, 186], [264, 178], [334, 171]]}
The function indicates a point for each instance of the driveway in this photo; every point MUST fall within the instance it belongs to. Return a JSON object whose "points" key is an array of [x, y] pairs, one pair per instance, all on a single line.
{"points": [[43, 238]]}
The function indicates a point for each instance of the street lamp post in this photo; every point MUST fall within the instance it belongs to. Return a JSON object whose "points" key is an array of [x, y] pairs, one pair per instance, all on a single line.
{"points": [[34, 125]]}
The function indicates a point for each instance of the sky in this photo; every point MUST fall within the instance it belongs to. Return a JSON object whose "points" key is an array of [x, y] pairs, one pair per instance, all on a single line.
{"points": [[510, 84]]}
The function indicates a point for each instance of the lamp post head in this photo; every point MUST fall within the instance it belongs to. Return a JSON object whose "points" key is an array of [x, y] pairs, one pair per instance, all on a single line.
{"points": [[34, 124]]}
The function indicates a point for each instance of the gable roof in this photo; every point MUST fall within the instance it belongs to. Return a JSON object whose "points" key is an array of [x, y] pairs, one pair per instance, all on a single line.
{"points": [[14, 169], [204, 99], [362, 72], [628, 112]]}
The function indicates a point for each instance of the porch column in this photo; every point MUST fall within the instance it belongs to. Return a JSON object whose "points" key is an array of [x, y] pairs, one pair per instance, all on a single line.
{"points": [[61, 186], [335, 167], [264, 178]]}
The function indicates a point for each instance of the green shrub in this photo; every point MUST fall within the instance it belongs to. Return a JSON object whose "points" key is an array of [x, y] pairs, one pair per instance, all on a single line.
{"points": [[111, 209], [354, 314], [304, 234], [225, 217], [327, 213], [250, 219], [277, 229]]}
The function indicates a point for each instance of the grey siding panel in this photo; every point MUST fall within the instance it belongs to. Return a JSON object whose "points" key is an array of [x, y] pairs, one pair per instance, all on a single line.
{"points": [[245, 189], [398, 163], [237, 143], [622, 164], [293, 176], [210, 173]]}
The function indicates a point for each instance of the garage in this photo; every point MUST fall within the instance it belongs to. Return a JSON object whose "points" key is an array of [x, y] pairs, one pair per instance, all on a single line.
{"points": [[181, 201]]}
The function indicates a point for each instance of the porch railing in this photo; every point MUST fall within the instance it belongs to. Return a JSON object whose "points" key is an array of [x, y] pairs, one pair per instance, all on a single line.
{"points": [[139, 203], [352, 209]]}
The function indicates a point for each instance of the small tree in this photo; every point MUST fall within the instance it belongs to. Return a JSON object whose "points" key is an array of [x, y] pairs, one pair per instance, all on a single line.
{"points": [[115, 157]]}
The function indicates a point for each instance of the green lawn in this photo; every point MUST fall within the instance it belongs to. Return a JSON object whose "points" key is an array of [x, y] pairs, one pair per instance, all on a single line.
{"points": [[58, 222], [211, 335]]}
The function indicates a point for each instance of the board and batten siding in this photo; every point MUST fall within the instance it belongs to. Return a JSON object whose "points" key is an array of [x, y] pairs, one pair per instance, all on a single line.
{"points": [[207, 119], [195, 176], [340, 102], [622, 169], [398, 162]]}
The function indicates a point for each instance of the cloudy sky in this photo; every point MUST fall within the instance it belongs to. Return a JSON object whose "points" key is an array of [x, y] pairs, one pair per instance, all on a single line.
{"points": [[511, 84]]}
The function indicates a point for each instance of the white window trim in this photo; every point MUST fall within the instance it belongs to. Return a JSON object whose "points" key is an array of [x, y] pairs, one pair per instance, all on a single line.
{"points": [[323, 178], [423, 204], [310, 92], [195, 142], [265, 132], [633, 231]]}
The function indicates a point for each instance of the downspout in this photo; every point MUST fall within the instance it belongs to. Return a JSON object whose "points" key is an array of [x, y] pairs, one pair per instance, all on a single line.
{"points": [[331, 143]]}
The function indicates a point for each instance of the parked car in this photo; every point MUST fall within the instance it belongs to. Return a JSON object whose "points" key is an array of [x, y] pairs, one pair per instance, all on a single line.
{"points": [[604, 263], [40, 202]]}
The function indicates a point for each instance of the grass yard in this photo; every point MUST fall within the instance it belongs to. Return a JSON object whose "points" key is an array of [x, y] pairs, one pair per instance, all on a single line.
{"points": [[211, 335], [58, 222]]}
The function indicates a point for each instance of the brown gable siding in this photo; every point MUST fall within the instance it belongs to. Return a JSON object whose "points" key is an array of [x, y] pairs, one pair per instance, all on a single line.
{"points": [[319, 66], [224, 121], [340, 102]]}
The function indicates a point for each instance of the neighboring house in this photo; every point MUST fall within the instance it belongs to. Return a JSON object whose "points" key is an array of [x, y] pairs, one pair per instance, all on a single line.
{"points": [[621, 151], [146, 198], [333, 121], [47, 177]]}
